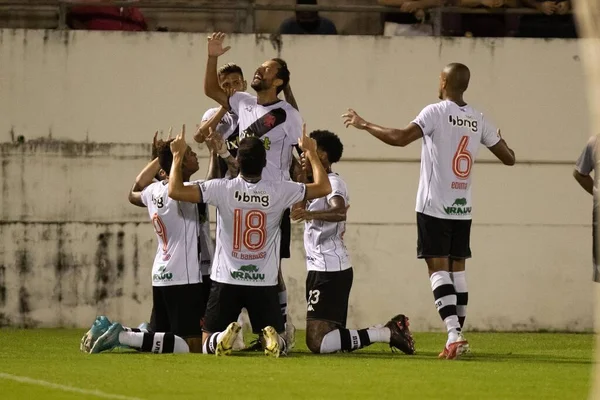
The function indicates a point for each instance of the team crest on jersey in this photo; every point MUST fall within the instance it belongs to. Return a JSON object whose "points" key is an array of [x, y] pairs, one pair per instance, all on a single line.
{"points": [[459, 207], [261, 198], [248, 272], [463, 122]]}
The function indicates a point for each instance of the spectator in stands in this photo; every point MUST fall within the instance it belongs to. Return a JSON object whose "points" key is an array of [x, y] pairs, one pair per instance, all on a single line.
{"points": [[414, 21], [556, 20], [489, 25], [307, 23], [106, 18]]}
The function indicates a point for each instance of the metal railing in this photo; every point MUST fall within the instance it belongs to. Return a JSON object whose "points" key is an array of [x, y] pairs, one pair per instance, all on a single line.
{"points": [[248, 8]]}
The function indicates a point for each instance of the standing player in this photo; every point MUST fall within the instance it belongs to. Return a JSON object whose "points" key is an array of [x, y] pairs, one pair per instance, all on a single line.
{"points": [[246, 263], [330, 273], [451, 131], [584, 167], [275, 122]]}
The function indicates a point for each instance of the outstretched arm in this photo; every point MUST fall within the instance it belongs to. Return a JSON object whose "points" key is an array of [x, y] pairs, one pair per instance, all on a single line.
{"points": [[391, 136], [177, 191], [211, 79]]}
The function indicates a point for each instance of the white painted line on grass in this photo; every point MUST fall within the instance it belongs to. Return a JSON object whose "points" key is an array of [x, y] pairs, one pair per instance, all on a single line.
{"points": [[97, 393]]}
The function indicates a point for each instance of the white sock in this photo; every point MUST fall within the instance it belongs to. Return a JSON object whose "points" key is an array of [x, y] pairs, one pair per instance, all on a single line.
{"points": [[379, 335], [131, 339], [445, 302]]}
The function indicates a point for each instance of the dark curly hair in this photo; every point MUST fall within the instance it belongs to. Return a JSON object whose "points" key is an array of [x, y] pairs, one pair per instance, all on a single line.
{"points": [[330, 143]]}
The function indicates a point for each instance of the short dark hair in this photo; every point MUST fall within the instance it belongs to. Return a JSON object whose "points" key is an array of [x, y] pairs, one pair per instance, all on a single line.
{"points": [[165, 157], [330, 143], [251, 156], [283, 73], [230, 68]]}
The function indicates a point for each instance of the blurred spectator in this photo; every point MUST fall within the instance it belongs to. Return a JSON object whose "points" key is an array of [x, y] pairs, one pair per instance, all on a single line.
{"points": [[307, 23], [106, 18], [414, 21], [489, 25], [556, 20]]}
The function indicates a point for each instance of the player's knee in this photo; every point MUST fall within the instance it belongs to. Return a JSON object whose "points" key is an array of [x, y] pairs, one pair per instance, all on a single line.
{"points": [[313, 341]]}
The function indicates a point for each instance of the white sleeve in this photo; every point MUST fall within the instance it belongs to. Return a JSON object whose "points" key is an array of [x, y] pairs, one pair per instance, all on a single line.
{"points": [[585, 162], [294, 131], [489, 133], [338, 188], [236, 100], [209, 114], [427, 119], [292, 192], [213, 191]]}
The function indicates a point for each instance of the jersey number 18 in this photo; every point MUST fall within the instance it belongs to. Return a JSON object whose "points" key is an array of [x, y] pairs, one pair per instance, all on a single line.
{"points": [[249, 229]]}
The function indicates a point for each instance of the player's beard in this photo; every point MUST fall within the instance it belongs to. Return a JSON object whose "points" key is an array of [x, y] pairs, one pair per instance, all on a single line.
{"points": [[259, 86]]}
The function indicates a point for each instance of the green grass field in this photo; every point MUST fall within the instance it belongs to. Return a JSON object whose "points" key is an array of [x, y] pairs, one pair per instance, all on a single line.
{"points": [[501, 366]]}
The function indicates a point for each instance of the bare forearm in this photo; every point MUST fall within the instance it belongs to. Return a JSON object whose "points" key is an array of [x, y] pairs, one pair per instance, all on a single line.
{"points": [[145, 177], [586, 182], [214, 171], [212, 123], [176, 177], [331, 215], [232, 166], [289, 97], [320, 177], [211, 82], [386, 135]]}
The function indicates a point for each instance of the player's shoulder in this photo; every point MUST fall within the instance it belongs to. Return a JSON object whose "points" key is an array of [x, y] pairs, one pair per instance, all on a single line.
{"points": [[244, 96], [157, 186], [290, 110], [195, 182], [334, 177]]}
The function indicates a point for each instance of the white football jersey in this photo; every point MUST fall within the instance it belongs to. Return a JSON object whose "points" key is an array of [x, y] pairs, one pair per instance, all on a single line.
{"points": [[177, 229], [248, 233], [227, 128], [324, 241], [451, 138], [278, 125]]}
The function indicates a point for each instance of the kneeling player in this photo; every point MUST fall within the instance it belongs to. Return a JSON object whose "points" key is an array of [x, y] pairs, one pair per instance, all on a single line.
{"points": [[330, 272], [246, 263]]}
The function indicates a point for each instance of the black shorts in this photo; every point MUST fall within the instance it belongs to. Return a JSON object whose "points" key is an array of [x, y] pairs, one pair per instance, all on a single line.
{"points": [[178, 309], [286, 235], [206, 284], [439, 238], [327, 295], [226, 302]]}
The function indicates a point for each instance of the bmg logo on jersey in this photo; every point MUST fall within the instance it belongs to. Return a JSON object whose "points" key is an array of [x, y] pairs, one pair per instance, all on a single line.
{"points": [[262, 199], [460, 122]]}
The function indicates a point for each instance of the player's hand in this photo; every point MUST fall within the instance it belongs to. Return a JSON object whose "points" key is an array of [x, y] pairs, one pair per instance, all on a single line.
{"points": [[547, 7], [299, 214], [178, 145], [563, 7], [351, 118], [411, 6], [198, 136], [306, 143], [215, 45], [215, 142], [230, 91]]}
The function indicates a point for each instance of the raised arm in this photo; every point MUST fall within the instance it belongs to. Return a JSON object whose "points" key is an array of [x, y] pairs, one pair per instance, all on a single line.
{"points": [[143, 180], [321, 186], [211, 78], [177, 191], [391, 136], [209, 123], [217, 145]]}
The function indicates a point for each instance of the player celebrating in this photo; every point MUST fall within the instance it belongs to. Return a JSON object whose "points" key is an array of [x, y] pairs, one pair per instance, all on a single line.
{"points": [[178, 294], [275, 122], [246, 264], [583, 168], [451, 131], [330, 272]]}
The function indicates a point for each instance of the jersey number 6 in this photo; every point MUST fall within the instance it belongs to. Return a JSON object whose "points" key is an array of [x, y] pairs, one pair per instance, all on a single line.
{"points": [[462, 161], [253, 233]]}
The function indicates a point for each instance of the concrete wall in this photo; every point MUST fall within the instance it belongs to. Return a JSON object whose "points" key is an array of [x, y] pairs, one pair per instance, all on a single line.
{"points": [[87, 104]]}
